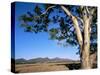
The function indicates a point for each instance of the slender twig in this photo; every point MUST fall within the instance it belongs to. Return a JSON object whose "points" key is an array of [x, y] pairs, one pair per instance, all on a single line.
{"points": [[38, 16]]}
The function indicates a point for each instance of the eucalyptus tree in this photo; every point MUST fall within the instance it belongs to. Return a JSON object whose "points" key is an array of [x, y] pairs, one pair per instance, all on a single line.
{"points": [[69, 24]]}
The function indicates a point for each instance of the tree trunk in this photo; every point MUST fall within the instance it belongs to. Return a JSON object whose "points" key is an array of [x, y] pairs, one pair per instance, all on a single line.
{"points": [[85, 60], [84, 41]]}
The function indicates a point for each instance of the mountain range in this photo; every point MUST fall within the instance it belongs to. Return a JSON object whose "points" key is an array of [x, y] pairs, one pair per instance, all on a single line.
{"points": [[41, 60]]}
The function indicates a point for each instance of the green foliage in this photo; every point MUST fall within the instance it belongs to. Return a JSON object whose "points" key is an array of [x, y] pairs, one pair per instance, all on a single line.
{"points": [[53, 33], [25, 18], [37, 10], [64, 31], [28, 29]]}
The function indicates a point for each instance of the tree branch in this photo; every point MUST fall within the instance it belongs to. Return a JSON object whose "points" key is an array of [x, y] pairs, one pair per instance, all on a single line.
{"points": [[47, 10], [67, 11], [92, 11], [91, 15], [76, 25], [79, 19], [44, 12], [87, 10]]}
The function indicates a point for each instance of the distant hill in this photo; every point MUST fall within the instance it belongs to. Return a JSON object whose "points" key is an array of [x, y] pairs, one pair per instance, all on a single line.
{"points": [[20, 61], [41, 60]]}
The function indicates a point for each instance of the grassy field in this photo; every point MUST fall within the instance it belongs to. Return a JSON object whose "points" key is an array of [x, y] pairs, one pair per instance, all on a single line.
{"points": [[47, 67], [39, 67]]}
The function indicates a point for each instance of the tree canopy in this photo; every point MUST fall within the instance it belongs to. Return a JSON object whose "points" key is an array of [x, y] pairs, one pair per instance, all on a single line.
{"points": [[62, 28]]}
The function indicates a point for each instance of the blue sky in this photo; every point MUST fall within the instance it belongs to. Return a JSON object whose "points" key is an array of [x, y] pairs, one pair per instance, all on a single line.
{"points": [[31, 45]]}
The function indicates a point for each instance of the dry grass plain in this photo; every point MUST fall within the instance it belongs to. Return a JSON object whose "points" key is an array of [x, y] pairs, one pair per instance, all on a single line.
{"points": [[43, 67]]}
